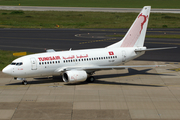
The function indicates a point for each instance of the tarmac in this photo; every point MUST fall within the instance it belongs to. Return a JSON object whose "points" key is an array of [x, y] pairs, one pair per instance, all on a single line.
{"points": [[130, 94], [82, 9]]}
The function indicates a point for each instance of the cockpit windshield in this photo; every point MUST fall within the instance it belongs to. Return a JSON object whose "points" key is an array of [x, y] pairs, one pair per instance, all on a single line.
{"points": [[17, 64]]}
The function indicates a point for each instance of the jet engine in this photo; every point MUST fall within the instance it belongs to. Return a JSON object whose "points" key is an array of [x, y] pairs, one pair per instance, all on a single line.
{"points": [[74, 76]]}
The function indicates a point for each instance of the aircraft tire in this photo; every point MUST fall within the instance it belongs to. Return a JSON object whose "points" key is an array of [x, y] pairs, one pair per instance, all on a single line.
{"points": [[24, 82], [91, 79]]}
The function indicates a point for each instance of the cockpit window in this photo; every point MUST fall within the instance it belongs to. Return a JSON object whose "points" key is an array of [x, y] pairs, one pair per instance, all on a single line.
{"points": [[17, 64], [13, 63]]}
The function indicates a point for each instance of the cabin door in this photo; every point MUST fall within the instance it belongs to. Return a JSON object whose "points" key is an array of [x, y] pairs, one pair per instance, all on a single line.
{"points": [[33, 64], [123, 56]]}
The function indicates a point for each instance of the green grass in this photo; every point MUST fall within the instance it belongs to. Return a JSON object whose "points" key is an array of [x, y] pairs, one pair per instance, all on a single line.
{"points": [[49, 19], [96, 3], [6, 57]]}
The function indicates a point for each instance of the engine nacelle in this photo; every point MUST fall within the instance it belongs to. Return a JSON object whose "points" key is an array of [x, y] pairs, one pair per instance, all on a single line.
{"points": [[74, 76]]}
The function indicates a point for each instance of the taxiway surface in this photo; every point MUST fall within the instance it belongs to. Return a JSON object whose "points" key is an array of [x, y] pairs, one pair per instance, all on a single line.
{"points": [[37, 40], [91, 9], [133, 94]]}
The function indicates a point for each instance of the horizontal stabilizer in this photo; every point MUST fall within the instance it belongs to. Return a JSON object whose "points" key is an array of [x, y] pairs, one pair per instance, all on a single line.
{"points": [[151, 49]]}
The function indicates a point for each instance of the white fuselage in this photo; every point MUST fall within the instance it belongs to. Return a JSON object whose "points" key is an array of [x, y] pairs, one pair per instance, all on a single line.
{"points": [[49, 63]]}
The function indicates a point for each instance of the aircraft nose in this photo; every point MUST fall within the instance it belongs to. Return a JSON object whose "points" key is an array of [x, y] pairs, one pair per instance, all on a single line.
{"points": [[7, 70]]}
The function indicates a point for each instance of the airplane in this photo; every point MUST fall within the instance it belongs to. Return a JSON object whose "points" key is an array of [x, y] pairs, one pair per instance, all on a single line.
{"points": [[79, 65]]}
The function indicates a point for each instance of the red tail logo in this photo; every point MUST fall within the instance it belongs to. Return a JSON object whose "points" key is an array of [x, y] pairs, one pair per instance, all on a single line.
{"points": [[135, 31]]}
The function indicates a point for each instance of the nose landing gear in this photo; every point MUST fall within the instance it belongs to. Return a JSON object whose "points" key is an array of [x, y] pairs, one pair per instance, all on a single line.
{"points": [[24, 81]]}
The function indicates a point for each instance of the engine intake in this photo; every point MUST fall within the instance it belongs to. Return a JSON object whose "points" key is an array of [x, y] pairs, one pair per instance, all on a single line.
{"points": [[74, 76]]}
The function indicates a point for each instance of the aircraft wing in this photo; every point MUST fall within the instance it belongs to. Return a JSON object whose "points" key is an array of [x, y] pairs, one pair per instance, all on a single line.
{"points": [[96, 68]]}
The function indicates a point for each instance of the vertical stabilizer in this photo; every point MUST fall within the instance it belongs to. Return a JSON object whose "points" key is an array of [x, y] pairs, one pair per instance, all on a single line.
{"points": [[136, 34]]}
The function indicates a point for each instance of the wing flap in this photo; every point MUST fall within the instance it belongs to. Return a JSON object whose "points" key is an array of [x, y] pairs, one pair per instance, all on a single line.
{"points": [[118, 67], [96, 68]]}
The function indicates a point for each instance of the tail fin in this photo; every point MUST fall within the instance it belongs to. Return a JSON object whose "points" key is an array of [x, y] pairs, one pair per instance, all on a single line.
{"points": [[136, 34]]}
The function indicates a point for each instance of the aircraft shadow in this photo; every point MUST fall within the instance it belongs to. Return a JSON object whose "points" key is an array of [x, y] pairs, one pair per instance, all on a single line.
{"points": [[97, 81], [131, 72]]}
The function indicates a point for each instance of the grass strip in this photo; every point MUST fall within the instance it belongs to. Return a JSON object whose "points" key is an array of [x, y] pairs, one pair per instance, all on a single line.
{"points": [[62, 19], [6, 57], [96, 3]]}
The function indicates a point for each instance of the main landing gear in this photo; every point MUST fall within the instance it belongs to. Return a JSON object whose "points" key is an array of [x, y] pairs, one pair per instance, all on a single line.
{"points": [[24, 82], [90, 79]]}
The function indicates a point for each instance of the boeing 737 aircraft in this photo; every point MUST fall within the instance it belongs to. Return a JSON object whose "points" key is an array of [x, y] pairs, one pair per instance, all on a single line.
{"points": [[79, 65]]}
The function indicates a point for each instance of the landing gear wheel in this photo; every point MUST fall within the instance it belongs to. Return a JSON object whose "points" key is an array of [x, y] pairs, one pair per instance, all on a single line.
{"points": [[24, 82], [91, 79]]}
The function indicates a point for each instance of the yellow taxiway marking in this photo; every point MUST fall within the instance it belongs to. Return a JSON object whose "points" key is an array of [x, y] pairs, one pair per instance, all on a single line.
{"points": [[19, 53], [93, 41], [43, 38], [175, 69]]}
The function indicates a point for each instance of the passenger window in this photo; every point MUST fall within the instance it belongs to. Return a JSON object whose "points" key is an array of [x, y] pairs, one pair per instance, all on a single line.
{"points": [[39, 63], [58, 61]]}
